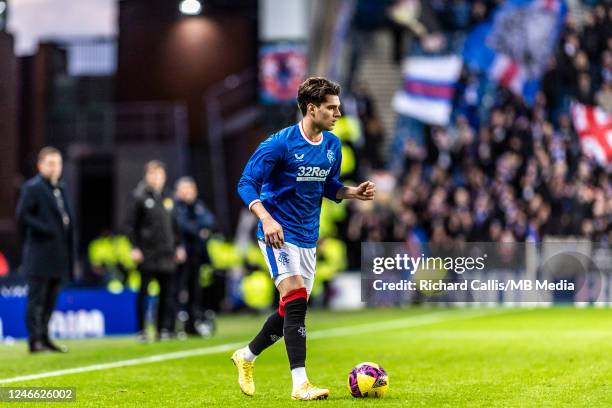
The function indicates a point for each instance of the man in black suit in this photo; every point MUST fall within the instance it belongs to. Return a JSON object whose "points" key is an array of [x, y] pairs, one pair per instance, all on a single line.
{"points": [[46, 223]]}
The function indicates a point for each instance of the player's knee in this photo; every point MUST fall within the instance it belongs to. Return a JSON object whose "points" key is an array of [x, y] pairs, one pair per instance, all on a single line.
{"points": [[290, 284]]}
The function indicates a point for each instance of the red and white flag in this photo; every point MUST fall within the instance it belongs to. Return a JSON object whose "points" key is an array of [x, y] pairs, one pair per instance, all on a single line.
{"points": [[508, 73], [594, 126]]}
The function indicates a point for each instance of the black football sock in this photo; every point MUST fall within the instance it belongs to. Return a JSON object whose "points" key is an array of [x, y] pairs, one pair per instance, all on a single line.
{"points": [[270, 333], [295, 331]]}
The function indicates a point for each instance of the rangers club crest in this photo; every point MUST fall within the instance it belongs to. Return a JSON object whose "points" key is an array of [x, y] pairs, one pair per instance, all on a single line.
{"points": [[330, 156], [283, 258]]}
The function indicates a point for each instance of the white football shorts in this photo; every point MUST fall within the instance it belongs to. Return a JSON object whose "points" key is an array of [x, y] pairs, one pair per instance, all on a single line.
{"points": [[290, 260]]}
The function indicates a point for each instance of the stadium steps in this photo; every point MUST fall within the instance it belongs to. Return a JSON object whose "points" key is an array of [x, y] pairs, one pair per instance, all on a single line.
{"points": [[382, 77]]}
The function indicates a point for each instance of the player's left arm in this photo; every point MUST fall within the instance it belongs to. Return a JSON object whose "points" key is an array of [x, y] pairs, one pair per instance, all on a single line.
{"points": [[364, 192], [336, 191]]}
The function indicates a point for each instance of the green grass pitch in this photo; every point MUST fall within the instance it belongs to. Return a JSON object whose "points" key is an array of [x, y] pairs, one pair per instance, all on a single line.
{"points": [[472, 357]]}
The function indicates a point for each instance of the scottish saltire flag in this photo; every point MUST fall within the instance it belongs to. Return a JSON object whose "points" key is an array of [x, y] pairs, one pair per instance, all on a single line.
{"points": [[594, 127], [514, 46], [429, 87]]}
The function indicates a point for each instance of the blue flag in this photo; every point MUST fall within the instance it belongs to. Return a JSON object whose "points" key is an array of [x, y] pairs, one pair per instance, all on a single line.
{"points": [[515, 45]]}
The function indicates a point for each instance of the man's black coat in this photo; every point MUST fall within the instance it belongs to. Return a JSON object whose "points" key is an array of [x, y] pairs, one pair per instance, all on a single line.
{"points": [[48, 249], [151, 227]]}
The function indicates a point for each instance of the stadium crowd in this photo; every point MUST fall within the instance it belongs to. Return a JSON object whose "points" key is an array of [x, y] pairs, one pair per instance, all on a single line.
{"points": [[506, 172]]}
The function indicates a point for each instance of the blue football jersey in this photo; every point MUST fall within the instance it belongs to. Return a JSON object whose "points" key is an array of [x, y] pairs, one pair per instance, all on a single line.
{"points": [[290, 175]]}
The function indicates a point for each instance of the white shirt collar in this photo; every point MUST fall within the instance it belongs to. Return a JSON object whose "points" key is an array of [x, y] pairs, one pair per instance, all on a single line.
{"points": [[306, 137]]}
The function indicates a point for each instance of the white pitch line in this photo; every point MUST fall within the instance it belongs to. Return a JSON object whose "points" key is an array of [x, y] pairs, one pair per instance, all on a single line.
{"points": [[420, 320], [126, 363]]}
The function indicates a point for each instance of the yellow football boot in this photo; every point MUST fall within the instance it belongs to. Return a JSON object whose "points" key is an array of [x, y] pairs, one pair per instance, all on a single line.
{"points": [[309, 392], [245, 372]]}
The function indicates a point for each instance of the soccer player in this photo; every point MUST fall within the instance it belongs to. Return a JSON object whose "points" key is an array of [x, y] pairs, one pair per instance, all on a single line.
{"points": [[283, 184]]}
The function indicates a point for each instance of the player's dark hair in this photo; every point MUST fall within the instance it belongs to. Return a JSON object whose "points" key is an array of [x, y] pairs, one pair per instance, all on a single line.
{"points": [[47, 151], [314, 90]]}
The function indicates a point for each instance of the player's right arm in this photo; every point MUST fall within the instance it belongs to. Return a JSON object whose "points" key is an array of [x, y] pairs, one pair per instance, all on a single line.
{"points": [[273, 232], [259, 166]]}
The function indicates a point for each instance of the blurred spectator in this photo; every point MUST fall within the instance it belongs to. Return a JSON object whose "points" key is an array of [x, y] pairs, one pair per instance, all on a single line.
{"points": [[47, 226], [604, 97], [372, 127], [154, 234], [196, 223]]}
